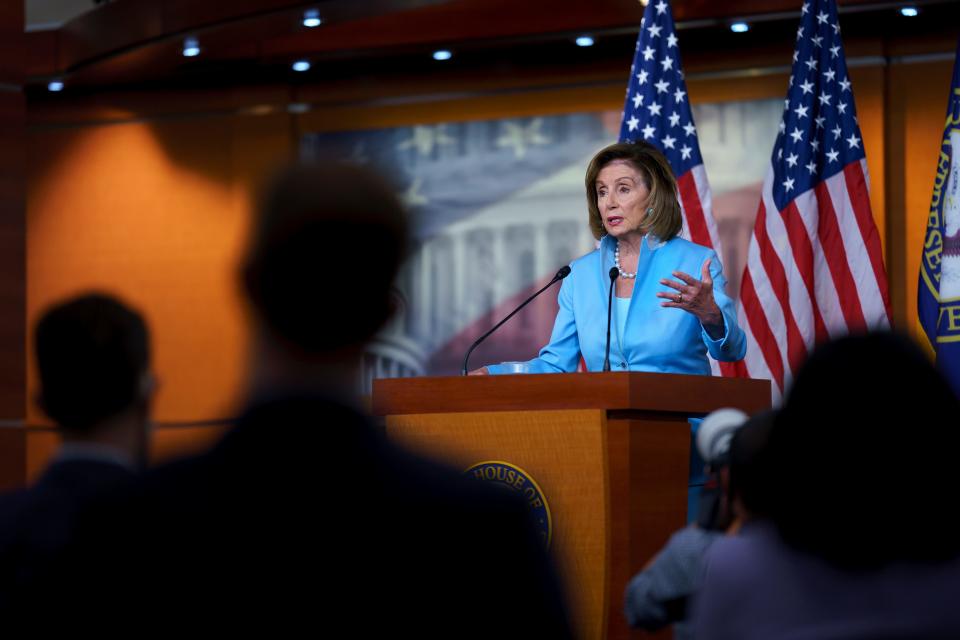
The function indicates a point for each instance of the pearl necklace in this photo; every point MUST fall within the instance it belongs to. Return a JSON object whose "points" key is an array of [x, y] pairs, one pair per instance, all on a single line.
{"points": [[616, 260]]}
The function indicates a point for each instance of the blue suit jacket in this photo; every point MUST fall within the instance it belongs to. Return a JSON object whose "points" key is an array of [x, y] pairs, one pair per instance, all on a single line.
{"points": [[659, 339]]}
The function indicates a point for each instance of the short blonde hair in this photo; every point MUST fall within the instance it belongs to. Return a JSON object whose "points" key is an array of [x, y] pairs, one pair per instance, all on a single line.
{"points": [[665, 221]]}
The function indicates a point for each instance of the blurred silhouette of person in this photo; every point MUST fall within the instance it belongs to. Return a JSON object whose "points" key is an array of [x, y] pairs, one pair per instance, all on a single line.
{"points": [[304, 516], [860, 542], [93, 359], [731, 444]]}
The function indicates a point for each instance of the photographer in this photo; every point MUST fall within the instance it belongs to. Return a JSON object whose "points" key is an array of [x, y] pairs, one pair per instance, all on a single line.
{"points": [[731, 444]]}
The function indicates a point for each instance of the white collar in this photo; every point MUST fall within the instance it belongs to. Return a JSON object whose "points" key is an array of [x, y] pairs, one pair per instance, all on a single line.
{"points": [[654, 242]]}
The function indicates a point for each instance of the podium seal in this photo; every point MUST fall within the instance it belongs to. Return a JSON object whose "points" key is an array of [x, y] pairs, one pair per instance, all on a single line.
{"points": [[513, 478]]}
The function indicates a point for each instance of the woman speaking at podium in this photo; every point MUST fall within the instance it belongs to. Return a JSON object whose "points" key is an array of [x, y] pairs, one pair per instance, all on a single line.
{"points": [[664, 318]]}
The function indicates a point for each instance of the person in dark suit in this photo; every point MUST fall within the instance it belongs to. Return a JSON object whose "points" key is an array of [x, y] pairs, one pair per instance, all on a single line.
{"points": [[93, 360], [305, 516]]}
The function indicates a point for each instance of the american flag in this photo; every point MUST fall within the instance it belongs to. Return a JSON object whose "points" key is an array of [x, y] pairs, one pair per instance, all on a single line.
{"points": [[815, 266], [657, 110]]}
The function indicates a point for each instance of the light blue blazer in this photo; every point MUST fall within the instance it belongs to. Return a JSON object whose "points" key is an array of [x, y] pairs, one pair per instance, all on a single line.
{"points": [[658, 339]]}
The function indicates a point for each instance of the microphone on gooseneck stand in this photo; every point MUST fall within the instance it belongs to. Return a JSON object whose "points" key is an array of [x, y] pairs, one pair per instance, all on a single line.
{"points": [[614, 273], [563, 273]]}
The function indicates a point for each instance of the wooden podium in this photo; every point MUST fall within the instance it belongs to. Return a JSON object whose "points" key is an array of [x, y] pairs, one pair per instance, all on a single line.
{"points": [[609, 451]]}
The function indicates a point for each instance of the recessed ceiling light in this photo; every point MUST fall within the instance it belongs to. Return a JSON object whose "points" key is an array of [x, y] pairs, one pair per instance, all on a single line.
{"points": [[55, 85], [584, 41], [301, 65], [442, 54], [311, 18], [910, 12], [191, 47], [739, 27]]}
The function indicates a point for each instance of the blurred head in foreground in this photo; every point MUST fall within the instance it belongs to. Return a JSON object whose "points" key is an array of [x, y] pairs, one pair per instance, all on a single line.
{"points": [[864, 453], [93, 358], [328, 240], [750, 488]]}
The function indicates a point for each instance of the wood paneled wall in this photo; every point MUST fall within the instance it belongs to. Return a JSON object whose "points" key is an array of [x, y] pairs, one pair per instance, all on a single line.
{"points": [[155, 212], [12, 240]]}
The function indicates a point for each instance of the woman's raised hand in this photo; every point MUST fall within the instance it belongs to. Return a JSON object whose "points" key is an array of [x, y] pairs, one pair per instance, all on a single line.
{"points": [[694, 296]]}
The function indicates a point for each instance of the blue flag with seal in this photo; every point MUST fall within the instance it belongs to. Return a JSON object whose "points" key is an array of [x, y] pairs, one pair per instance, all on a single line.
{"points": [[938, 297]]}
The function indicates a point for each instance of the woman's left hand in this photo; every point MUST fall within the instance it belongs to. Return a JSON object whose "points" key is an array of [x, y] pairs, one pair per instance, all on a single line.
{"points": [[694, 296]]}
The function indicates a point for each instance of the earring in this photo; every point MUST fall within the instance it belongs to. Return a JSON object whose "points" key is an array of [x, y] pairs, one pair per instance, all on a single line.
{"points": [[650, 210]]}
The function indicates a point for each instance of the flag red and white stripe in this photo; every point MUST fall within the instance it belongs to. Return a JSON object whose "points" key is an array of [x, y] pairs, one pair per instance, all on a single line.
{"points": [[815, 264], [697, 209]]}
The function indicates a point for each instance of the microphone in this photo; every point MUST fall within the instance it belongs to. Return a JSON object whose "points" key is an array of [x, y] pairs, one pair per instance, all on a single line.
{"points": [[614, 273], [563, 273]]}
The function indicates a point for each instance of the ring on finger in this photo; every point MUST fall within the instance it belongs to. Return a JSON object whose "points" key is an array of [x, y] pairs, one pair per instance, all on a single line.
{"points": [[679, 298]]}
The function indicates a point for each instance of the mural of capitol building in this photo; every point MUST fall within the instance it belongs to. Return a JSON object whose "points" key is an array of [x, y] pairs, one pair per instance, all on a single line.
{"points": [[457, 280]]}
